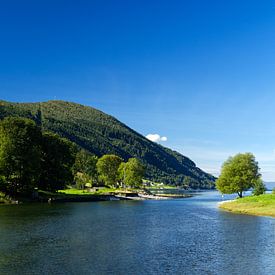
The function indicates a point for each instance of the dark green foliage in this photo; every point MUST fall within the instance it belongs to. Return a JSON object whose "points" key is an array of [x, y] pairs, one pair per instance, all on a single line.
{"points": [[85, 169], [132, 172], [102, 134], [58, 156], [3, 183], [107, 167], [85, 162], [258, 188], [20, 154], [239, 173]]}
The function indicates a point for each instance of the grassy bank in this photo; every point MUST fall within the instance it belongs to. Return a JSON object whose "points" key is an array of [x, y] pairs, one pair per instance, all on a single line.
{"points": [[103, 191], [160, 187], [263, 205], [73, 191], [76, 195]]}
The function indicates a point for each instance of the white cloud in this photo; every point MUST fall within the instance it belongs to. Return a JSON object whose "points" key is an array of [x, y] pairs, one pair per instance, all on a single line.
{"points": [[163, 138], [156, 138]]}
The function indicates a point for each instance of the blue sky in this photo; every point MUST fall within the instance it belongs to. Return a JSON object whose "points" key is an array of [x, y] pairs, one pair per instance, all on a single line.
{"points": [[201, 73]]}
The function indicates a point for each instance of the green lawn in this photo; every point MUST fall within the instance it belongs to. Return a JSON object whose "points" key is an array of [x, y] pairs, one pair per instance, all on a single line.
{"points": [[263, 205], [157, 187], [68, 193], [73, 191]]}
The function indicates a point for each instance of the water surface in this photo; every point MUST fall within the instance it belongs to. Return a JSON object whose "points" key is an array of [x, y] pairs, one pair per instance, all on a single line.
{"points": [[178, 236]]}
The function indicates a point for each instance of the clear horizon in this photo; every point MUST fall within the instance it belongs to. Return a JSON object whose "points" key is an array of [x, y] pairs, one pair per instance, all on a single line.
{"points": [[200, 75]]}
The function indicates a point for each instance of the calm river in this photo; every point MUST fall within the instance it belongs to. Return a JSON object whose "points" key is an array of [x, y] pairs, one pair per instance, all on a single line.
{"points": [[181, 236]]}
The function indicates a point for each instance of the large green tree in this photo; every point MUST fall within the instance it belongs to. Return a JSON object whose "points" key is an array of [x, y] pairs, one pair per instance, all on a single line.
{"points": [[20, 154], [239, 173], [132, 172], [107, 167], [85, 168], [58, 157]]}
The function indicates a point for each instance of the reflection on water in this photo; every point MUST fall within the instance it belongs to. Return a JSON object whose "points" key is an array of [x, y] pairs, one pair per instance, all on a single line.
{"points": [[181, 236]]}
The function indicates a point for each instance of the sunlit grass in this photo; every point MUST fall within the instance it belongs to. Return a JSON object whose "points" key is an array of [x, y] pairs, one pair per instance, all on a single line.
{"points": [[163, 187], [263, 205], [73, 191], [101, 191]]}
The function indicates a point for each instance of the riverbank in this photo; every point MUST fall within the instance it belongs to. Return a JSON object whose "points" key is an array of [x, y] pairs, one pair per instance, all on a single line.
{"points": [[60, 196], [104, 194], [263, 205], [115, 194]]}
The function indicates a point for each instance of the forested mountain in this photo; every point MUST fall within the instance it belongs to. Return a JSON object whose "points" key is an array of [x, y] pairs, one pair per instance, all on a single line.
{"points": [[102, 134]]}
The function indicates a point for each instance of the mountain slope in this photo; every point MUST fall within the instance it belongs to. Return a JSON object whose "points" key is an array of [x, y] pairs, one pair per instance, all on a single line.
{"points": [[101, 134]]}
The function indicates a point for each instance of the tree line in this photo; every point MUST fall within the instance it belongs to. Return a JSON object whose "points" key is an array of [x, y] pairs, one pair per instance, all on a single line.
{"points": [[109, 170], [31, 158]]}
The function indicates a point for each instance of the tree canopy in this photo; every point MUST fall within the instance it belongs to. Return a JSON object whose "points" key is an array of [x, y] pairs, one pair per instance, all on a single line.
{"points": [[20, 153], [132, 172], [58, 157], [85, 169], [239, 173], [30, 158], [107, 167]]}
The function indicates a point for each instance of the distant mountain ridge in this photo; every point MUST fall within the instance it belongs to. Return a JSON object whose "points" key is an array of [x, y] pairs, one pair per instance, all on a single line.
{"points": [[101, 134]]}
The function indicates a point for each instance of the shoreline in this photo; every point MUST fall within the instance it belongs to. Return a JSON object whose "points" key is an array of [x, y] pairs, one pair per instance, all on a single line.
{"points": [[263, 205], [222, 202], [62, 198]]}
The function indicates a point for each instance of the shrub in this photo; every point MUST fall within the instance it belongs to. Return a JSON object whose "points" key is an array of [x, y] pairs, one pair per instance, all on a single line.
{"points": [[259, 188]]}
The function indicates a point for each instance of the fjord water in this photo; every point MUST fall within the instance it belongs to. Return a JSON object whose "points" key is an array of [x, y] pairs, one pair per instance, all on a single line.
{"points": [[179, 236]]}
